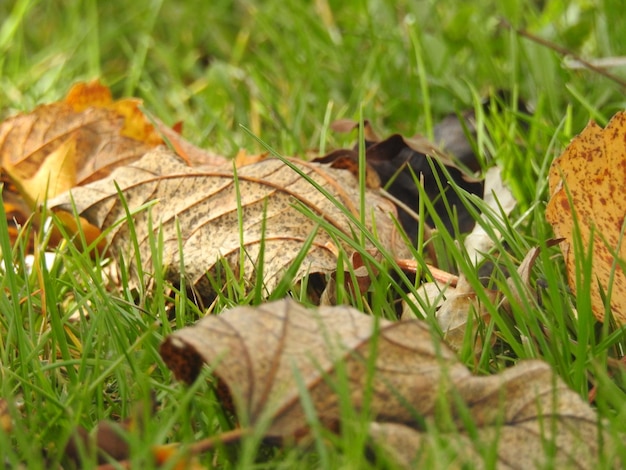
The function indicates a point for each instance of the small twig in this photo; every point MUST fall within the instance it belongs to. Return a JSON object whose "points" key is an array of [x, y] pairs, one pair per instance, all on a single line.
{"points": [[116, 466], [439, 275], [229, 437], [601, 62], [564, 52]]}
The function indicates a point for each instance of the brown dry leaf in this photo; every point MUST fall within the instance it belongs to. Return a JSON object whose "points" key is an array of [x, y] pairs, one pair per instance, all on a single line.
{"points": [[499, 198], [462, 307], [194, 156], [521, 288], [205, 207], [56, 174], [81, 139], [455, 307], [6, 422], [260, 355], [357, 278], [106, 134], [396, 162], [243, 158], [592, 172], [110, 441]]}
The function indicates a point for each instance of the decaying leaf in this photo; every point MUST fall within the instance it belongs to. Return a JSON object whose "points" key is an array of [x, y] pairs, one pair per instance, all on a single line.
{"points": [[500, 200], [109, 441], [357, 279], [261, 357], [6, 422], [588, 187], [79, 140], [458, 304], [400, 164], [521, 287], [205, 206], [104, 134], [399, 161], [455, 307]]}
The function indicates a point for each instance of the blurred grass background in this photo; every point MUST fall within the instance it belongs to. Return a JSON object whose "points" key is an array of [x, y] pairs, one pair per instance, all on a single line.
{"points": [[280, 67]]}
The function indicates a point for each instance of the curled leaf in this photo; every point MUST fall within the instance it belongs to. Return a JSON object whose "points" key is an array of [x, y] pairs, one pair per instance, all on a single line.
{"points": [[401, 164], [261, 357]]}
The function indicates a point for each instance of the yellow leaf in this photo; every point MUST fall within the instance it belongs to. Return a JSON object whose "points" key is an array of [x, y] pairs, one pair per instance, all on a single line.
{"points": [[85, 95], [588, 190], [56, 174]]}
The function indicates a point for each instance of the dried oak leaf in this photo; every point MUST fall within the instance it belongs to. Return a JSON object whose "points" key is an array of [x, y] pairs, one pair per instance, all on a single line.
{"points": [[270, 196], [263, 356], [587, 188]]}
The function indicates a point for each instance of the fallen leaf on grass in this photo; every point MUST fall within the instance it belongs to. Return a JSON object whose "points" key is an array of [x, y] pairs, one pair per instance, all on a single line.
{"points": [[261, 357], [109, 442], [455, 308], [6, 422], [400, 164], [500, 201], [205, 206], [79, 140], [587, 188], [520, 286], [104, 134], [399, 161]]}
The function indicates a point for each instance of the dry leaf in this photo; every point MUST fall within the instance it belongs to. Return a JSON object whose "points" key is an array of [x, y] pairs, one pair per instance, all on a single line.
{"points": [[106, 134], [412, 449], [243, 158], [460, 308], [110, 441], [192, 155], [521, 288], [455, 307], [205, 207], [56, 174], [398, 158], [6, 422], [357, 278], [260, 355], [79, 140], [397, 162], [588, 187], [499, 198]]}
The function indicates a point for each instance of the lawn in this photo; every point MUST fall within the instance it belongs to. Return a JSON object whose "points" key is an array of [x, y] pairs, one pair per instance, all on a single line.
{"points": [[77, 347]]}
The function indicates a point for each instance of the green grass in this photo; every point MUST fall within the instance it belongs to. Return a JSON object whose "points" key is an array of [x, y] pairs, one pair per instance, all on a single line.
{"points": [[75, 349]]}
